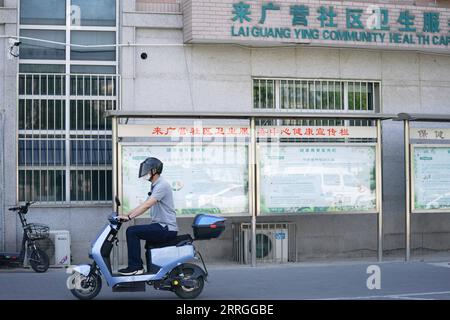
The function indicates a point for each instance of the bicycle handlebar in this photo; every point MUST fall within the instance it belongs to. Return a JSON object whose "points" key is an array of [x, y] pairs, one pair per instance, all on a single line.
{"points": [[22, 208]]}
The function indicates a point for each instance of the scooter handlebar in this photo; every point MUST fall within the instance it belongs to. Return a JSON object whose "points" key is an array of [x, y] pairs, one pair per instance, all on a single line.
{"points": [[114, 218]]}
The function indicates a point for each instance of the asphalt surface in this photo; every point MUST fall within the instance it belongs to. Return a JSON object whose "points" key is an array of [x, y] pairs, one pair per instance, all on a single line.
{"points": [[399, 281]]}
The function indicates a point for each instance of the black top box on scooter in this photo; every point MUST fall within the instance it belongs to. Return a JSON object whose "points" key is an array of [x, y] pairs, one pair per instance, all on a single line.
{"points": [[208, 226]]}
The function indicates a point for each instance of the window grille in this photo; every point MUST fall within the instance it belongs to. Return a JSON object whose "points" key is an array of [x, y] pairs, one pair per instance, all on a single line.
{"points": [[316, 95], [64, 143]]}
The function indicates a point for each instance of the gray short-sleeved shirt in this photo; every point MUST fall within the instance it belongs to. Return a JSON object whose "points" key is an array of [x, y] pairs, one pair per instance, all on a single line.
{"points": [[163, 211]]}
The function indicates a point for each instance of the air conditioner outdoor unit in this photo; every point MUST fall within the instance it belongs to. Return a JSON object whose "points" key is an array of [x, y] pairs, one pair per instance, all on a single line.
{"points": [[61, 240], [271, 245], [57, 247]]}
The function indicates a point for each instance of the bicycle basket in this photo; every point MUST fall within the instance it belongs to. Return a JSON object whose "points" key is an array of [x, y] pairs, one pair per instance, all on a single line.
{"points": [[37, 231]]}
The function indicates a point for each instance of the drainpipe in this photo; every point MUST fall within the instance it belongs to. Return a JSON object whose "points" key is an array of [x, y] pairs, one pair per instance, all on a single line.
{"points": [[2, 183]]}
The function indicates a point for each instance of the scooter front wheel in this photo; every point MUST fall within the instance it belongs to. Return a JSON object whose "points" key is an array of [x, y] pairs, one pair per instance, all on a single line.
{"points": [[83, 287]]}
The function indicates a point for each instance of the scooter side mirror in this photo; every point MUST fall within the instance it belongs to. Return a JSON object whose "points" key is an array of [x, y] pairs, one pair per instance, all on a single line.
{"points": [[116, 199]]}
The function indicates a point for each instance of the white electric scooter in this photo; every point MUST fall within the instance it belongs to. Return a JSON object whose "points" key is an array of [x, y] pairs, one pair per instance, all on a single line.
{"points": [[167, 263]]}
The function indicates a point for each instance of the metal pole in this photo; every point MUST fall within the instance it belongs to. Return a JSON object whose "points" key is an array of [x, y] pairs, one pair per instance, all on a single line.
{"points": [[68, 115], [407, 191], [116, 251], [252, 186], [2, 184], [114, 161], [379, 190]]}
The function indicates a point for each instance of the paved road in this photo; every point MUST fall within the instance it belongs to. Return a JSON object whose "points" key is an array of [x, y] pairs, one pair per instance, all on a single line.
{"points": [[399, 280]]}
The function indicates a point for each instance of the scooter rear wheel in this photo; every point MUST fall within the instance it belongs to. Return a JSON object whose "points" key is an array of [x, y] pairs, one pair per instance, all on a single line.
{"points": [[186, 272], [85, 288]]}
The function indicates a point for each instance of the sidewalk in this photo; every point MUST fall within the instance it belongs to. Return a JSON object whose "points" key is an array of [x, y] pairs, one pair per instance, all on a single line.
{"points": [[232, 265], [292, 281]]}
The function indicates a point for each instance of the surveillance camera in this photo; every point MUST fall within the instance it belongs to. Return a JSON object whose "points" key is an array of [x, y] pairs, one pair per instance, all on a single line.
{"points": [[14, 42], [144, 55], [13, 48]]}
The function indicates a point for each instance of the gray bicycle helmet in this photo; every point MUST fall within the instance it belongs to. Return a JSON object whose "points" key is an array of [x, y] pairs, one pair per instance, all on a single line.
{"points": [[148, 165]]}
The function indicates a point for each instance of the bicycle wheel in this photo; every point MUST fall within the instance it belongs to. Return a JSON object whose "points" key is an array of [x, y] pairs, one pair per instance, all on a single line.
{"points": [[39, 261]]}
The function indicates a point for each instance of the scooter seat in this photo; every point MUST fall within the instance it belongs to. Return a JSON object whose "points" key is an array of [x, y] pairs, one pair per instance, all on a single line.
{"points": [[178, 241]]}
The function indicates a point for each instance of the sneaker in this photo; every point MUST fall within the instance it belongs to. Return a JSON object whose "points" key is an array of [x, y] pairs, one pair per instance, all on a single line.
{"points": [[131, 271]]}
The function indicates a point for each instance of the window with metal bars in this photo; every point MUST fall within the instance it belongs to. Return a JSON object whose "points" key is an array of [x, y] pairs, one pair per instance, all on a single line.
{"points": [[64, 143], [306, 95], [316, 95], [64, 138]]}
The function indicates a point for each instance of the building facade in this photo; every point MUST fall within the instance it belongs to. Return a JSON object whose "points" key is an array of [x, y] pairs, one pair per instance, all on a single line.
{"points": [[211, 56]]}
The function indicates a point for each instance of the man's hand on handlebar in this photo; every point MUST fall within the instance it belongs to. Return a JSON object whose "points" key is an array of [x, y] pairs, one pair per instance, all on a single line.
{"points": [[123, 218]]}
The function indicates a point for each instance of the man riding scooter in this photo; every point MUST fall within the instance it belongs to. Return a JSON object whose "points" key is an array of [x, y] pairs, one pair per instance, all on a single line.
{"points": [[164, 225], [168, 255]]}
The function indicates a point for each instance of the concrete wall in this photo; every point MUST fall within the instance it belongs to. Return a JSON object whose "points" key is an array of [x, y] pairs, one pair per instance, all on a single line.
{"points": [[8, 103], [2, 137], [219, 78], [83, 223]]}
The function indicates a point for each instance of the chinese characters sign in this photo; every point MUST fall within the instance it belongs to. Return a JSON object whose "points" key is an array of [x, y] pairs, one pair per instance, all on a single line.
{"points": [[430, 133], [315, 132], [321, 22], [180, 131], [177, 131]]}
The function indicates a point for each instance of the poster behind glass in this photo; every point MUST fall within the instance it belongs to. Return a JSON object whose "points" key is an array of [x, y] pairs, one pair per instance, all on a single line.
{"points": [[296, 179], [204, 178], [431, 174]]}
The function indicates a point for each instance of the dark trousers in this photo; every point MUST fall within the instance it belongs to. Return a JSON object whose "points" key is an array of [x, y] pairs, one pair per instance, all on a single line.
{"points": [[154, 233]]}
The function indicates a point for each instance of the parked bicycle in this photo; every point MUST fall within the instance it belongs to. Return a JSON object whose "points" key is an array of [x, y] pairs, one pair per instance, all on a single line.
{"points": [[29, 250]]}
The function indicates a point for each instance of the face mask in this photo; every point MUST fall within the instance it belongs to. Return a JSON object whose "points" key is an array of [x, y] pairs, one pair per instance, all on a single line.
{"points": [[147, 177]]}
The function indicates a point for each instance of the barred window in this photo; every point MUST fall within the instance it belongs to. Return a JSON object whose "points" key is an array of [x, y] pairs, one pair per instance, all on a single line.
{"points": [[64, 139], [43, 185], [316, 95], [42, 84], [90, 114], [91, 85], [91, 151], [41, 152], [264, 94], [64, 143], [88, 185]]}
